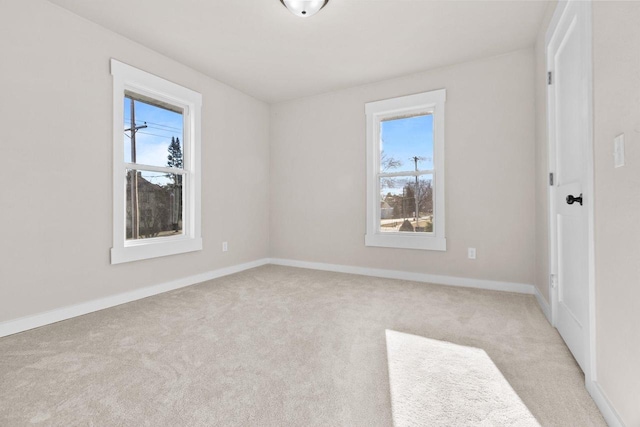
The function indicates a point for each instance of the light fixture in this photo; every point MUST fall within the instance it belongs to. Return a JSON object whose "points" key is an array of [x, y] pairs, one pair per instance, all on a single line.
{"points": [[304, 8]]}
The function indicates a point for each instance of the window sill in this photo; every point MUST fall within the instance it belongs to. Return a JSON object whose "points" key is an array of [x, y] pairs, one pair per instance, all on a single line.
{"points": [[147, 250], [413, 241]]}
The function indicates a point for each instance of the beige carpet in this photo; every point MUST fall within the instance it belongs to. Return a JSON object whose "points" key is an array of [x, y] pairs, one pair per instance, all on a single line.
{"points": [[274, 346], [438, 384]]}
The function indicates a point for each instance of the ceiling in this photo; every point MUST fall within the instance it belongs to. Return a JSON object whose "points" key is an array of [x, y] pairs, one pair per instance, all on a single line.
{"points": [[260, 48]]}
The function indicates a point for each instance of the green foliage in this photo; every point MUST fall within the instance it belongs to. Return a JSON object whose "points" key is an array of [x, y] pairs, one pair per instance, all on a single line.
{"points": [[174, 159]]}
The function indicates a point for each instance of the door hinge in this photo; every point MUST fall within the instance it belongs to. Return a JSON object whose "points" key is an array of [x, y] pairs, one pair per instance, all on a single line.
{"points": [[554, 281], [551, 179], [549, 77]]}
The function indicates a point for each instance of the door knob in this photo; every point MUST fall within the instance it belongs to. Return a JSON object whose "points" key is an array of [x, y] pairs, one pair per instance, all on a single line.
{"points": [[571, 199]]}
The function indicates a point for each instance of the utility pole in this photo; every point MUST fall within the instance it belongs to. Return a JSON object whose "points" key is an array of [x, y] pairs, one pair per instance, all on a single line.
{"points": [[135, 215], [404, 202], [417, 191]]}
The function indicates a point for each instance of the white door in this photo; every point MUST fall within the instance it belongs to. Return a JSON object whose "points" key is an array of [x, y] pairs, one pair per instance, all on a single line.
{"points": [[568, 59]]}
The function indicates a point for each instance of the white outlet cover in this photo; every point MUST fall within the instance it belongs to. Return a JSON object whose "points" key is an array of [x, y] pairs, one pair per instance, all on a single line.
{"points": [[471, 252]]}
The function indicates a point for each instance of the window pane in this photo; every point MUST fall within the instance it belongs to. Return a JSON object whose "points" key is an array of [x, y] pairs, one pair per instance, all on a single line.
{"points": [[406, 144], [155, 210], [406, 206], [153, 132]]}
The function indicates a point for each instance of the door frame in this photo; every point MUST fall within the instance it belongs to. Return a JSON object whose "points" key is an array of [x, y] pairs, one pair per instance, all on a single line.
{"points": [[585, 9]]}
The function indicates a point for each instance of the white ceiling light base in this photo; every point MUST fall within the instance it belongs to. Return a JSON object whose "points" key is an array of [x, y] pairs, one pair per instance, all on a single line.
{"points": [[304, 8]]}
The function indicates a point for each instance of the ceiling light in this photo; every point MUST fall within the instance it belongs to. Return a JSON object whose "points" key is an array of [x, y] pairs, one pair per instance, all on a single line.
{"points": [[304, 8]]}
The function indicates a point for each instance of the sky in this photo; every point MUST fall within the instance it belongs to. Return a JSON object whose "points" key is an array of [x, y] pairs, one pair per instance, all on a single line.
{"points": [[153, 141], [402, 139], [405, 138]]}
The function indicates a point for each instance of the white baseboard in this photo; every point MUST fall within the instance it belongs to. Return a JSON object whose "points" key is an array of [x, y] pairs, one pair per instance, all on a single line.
{"points": [[544, 305], [416, 277], [606, 408], [29, 322]]}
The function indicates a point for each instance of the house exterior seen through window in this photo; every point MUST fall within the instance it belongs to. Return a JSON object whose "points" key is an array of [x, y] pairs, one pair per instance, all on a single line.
{"points": [[405, 165], [156, 166]]}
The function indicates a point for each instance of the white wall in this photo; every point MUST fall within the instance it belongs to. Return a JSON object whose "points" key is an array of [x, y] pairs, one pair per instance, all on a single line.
{"points": [[318, 173], [616, 53], [56, 145]]}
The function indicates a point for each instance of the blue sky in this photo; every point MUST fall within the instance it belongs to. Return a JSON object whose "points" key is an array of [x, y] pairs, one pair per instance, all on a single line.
{"points": [[405, 138], [152, 142]]}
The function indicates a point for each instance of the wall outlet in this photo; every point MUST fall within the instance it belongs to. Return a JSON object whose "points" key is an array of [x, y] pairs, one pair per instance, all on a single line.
{"points": [[225, 247], [471, 253]]}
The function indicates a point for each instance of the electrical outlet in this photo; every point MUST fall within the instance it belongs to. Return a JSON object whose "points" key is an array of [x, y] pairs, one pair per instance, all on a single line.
{"points": [[225, 247], [471, 253]]}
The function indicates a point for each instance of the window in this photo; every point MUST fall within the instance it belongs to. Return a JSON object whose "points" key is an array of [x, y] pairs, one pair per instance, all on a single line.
{"points": [[156, 166], [405, 172]]}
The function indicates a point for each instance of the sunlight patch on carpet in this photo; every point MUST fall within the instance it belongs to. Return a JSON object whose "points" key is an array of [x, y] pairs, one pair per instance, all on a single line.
{"points": [[437, 383]]}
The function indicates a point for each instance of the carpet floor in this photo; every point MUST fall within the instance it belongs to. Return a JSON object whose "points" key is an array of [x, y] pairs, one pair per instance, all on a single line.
{"points": [[275, 346]]}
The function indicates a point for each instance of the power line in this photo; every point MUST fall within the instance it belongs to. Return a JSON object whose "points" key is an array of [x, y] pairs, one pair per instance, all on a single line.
{"points": [[154, 134], [172, 131], [164, 130], [128, 122], [157, 124], [147, 133]]}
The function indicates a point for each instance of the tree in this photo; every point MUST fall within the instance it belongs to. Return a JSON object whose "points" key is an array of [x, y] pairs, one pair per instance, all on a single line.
{"points": [[408, 200], [426, 196], [424, 193], [387, 164], [174, 160]]}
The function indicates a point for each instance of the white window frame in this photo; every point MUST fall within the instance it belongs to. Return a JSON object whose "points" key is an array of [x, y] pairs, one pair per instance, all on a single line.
{"points": [[128, 78], [422, 103]]}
